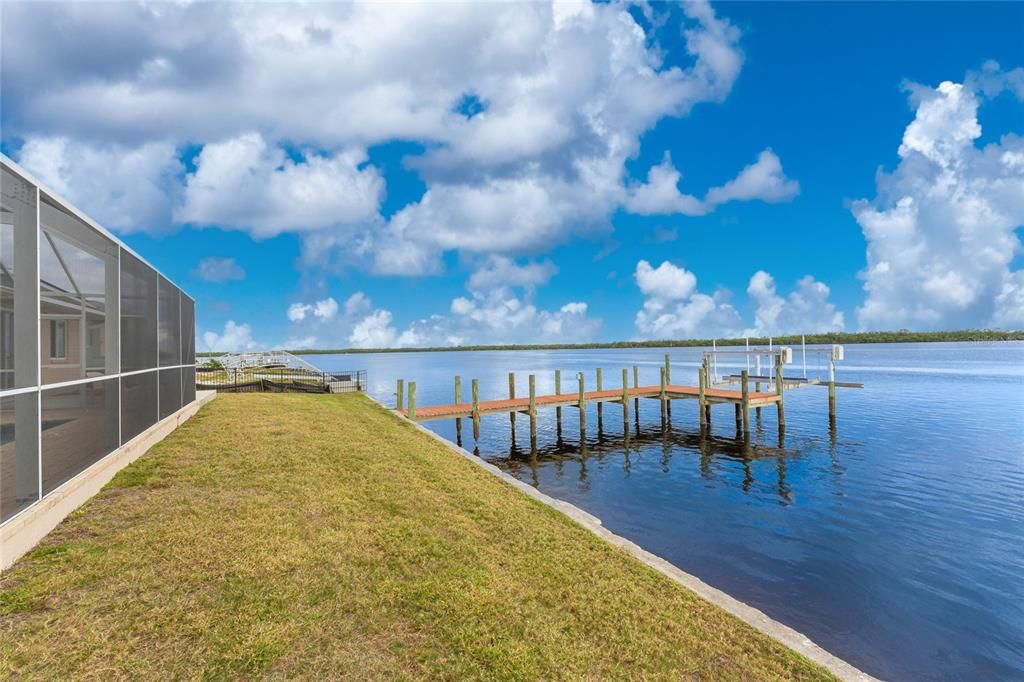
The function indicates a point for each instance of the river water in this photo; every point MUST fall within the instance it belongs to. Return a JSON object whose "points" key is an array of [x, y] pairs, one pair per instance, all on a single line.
{"points": [[895, 541]]}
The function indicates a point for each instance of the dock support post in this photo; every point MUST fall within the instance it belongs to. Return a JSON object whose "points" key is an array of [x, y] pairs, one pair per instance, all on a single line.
{"points": [[600, 404], [707, 385], [780, 390], [458, 399], [412, 400], [831, 393], [625, 401], [739, 417], [757, 385], [399, 394], [636, 384], [558, 391], [582, 403], [476, 409], [745, 393], [661, 395], [668, 380], [511, 396], [533, 413], [701, 399]]}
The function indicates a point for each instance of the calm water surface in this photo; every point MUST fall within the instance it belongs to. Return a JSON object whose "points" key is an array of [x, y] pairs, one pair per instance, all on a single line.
{"points": [[895, 542]]}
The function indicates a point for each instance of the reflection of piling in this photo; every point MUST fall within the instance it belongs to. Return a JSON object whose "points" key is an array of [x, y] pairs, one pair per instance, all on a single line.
{"points": [[476, 409], [458, 400], [582, 404], [412, 400], [398, 393]]}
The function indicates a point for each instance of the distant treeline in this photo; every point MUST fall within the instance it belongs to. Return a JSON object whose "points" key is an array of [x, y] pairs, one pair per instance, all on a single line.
{"points": [[902, 336]]}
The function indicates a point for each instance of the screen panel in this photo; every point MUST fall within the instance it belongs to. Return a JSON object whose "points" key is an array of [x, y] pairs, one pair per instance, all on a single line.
{"points": [[138, 314], [188, 385], [188, 331], [138, 404], [19, 283], [170, 324], [170, 392], [19, 453], [79, 428], [78, 297]]}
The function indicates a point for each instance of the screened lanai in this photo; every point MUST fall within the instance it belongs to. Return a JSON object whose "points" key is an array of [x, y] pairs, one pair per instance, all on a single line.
{"points": [[96, 346]]}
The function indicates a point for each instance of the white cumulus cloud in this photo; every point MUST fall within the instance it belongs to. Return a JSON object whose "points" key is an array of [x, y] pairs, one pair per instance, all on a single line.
{"points": [[763, 180], [806, 309], [942, 232], [673, 308], [234, 338], [245, 184]]}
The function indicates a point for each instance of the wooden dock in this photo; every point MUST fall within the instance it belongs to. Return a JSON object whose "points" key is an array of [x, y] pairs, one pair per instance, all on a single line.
{"points": [[704, 392], [522, 405]]}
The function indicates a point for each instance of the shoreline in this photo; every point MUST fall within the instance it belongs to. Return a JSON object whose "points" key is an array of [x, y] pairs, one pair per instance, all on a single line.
{"points": [[848, 338]]}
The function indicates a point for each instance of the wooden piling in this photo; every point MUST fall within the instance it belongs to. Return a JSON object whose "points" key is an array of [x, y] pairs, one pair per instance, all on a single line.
{"points": [[780, 390], [512, 395], [458, 400], [661, 394], [745, 405], [558, 391], [739, 418], [625, 400], [636, 384], [412, 400], [476, 409], [707, 403], [668, 380], [832, 403], [701, 399], [400, 394], [582, 405], [533, 412], [600, 406]]}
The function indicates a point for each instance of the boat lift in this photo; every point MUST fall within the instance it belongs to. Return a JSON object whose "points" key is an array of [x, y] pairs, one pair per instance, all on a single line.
{"points": [[781, 355]]}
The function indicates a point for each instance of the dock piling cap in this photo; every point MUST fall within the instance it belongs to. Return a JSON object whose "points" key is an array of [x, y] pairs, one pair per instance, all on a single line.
{"points": [[837, 352]]}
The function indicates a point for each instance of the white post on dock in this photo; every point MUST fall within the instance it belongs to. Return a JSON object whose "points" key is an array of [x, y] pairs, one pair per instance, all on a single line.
{"points": [[714, 360], [803, 349], [748, 354]]}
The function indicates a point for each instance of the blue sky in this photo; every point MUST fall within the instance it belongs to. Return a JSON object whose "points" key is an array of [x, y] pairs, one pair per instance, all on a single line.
{"points": [[340, 175]]}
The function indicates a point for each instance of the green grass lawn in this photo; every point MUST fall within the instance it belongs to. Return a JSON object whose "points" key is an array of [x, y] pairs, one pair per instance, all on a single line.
{"points": [[283, 535]]}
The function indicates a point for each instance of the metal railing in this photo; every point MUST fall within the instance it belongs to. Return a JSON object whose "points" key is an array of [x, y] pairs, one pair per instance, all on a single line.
{"points": [[278, 380]]}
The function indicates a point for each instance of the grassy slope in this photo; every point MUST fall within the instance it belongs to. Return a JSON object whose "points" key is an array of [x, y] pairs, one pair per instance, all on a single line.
{"points": [[296, 535]]}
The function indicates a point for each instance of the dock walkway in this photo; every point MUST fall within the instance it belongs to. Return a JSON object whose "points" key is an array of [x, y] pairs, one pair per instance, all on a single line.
{"points": [[672, 392]]}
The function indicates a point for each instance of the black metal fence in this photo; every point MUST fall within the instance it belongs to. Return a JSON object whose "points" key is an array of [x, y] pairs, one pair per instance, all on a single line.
{"points": [[278, 380]]}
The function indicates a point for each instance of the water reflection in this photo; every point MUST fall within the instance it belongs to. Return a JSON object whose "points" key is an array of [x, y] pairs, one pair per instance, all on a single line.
{"points": [[673, 442]]}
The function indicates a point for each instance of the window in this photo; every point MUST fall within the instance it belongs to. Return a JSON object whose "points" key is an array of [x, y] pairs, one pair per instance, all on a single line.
{"points": [[58, 339]]}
